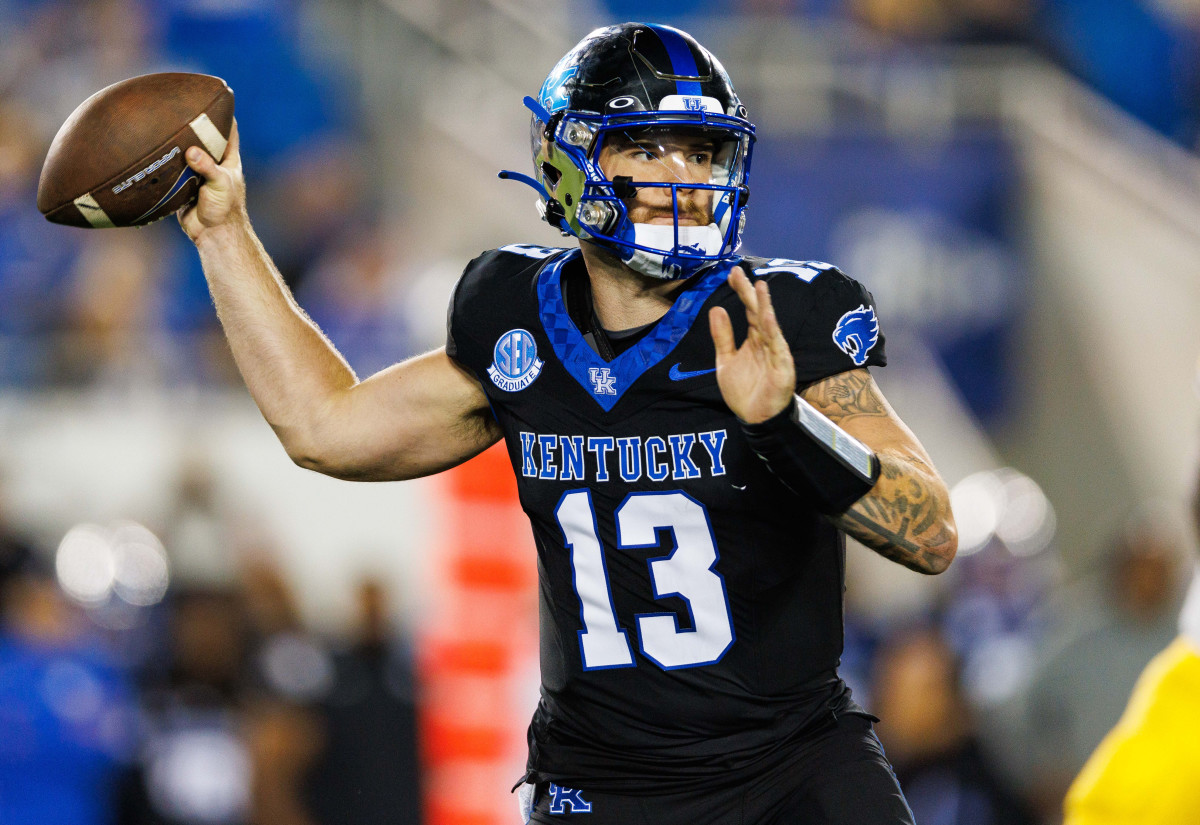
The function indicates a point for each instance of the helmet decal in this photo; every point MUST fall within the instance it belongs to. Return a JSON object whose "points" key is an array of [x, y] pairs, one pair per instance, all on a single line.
{"points": [[554, 93]]}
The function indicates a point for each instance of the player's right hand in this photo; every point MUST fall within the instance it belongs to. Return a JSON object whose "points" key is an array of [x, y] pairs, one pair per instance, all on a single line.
{"points": [[222, 197], [758, 378]]}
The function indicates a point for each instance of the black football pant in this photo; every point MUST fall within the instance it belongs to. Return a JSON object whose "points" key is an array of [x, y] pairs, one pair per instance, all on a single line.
{"points": [[839, 777]]}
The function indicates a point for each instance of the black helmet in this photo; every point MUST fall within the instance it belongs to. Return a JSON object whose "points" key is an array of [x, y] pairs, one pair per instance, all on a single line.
{"points": [[638, 83]]}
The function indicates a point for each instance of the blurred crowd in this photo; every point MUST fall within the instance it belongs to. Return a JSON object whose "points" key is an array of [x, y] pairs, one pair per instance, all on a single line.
{"points": [[205, 702], [216, 704], [81, 308], [993, 693]]}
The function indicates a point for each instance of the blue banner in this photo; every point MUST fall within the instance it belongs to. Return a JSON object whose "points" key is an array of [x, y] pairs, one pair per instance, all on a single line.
{"points": [[925, 223]]}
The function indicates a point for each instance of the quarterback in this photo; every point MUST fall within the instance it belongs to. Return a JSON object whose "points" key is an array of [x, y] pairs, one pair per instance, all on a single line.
{"points": [[693, 433]]}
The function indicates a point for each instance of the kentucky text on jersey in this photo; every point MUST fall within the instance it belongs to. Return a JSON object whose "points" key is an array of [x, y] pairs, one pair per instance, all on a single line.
{"points": [[605, 458]]}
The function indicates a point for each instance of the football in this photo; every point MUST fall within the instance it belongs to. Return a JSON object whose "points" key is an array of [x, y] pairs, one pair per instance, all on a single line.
{"points": [[119, 158]]}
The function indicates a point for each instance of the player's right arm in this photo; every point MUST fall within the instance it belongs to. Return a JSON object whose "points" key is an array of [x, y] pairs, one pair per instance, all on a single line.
{"points": [[415, 418]]}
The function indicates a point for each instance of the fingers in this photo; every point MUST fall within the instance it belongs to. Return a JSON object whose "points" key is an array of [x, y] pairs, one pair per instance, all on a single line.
{"points": [[763, 331], [721, 330], [234, 147], [202, 163], [744, 289], [222, 191]]}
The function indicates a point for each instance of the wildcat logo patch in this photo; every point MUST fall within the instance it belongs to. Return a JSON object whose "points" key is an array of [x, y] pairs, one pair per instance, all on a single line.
{"points": [[515, 364], [856, 332]]}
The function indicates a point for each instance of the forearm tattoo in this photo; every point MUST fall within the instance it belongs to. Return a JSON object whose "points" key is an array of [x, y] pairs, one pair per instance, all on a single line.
{"points": [[906, 516]]}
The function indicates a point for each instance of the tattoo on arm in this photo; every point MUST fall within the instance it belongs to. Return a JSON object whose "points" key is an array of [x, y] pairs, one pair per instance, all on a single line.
{"points": [[844, 396], [904, 517]]}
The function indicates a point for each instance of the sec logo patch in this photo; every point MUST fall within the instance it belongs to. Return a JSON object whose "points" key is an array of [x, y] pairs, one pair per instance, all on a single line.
{"points": [[515, 364]]}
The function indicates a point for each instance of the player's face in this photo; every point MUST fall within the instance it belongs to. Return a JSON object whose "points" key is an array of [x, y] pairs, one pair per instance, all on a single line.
{"points": [[659, 156]]}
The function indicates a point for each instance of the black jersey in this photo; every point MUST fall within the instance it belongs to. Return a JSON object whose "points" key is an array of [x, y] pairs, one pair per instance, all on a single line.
{"points": [[691, 605]]}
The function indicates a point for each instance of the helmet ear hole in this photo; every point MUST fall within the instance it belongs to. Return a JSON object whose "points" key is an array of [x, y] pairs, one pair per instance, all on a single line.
{"points": [[552, 174]]}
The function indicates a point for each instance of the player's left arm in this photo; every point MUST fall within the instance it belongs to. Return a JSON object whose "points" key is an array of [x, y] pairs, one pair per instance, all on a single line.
{"points": [[902, 508], [906, 515]]}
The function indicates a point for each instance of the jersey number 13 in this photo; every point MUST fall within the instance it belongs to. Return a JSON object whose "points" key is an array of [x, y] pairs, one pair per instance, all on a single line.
{"points": [[686, 572]]}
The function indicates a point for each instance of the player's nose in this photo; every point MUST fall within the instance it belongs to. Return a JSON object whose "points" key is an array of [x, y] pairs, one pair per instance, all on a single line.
{"points": [[676, 169]]}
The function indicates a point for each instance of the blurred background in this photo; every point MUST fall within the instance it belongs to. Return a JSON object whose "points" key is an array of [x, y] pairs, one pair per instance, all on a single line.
{"points": [[195, 632]]}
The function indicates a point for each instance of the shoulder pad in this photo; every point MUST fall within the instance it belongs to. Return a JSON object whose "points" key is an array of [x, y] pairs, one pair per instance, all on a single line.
{"points": [[515, 260], [528, 250], [806, 271]]}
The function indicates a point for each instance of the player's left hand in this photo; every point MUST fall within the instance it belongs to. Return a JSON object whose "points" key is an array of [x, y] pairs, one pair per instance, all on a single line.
{"points": [[757, 379]]}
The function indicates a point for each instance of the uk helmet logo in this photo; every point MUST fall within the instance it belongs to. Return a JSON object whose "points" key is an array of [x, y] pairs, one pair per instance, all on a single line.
{"points": [[515, 364], [856, 332], [554, 93]]}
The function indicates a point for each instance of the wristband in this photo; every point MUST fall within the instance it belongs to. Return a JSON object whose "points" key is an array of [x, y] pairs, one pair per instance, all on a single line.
{"points": [[814, 457]]}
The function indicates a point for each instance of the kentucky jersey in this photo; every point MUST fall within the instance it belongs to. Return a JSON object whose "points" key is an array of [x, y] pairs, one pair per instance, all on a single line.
{"points": [[691, 606]]}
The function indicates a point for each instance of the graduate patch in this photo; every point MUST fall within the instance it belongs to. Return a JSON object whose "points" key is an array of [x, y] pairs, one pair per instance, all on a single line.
{"points": [[515, 364]]}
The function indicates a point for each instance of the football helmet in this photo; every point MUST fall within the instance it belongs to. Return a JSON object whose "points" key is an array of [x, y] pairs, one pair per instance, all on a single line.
{"points": [[651, 101]]}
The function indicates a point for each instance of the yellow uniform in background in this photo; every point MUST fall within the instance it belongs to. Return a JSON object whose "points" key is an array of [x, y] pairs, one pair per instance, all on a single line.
{"points": [[1147, 770]]}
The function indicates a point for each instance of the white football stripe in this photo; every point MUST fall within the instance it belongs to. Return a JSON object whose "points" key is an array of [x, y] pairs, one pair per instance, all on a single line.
{"points": [[210, 136], [91, 210]]}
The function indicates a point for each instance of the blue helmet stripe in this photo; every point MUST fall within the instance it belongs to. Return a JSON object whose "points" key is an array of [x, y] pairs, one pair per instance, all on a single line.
{"points": [[683, 62]]}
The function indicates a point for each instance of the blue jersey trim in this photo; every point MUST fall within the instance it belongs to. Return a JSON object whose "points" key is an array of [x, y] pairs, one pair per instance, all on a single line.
{"points": [[683, 62], [583, 362]]}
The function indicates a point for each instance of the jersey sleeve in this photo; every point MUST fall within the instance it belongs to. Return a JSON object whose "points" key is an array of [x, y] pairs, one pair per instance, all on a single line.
{"points": [[462, 315], [828, 318], [486, 299]]}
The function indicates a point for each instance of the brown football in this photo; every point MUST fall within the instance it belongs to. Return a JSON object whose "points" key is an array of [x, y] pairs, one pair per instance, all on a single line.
{"points": [[119, 158]]}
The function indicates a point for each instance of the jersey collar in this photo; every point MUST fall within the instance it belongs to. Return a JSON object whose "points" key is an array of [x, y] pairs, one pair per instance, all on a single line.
{"points": [[607, 381]]}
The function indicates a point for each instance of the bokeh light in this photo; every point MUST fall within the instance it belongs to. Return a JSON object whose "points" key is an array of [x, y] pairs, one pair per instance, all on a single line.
{"points": [[124, 559]]}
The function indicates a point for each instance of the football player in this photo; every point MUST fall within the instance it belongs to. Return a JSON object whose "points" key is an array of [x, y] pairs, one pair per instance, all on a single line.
{"points": [[692, 431]]}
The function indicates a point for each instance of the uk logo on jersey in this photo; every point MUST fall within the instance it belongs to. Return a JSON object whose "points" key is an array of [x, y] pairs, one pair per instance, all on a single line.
{"points": [[856, 332], [562, 799], [603, 381], [515, 364]]}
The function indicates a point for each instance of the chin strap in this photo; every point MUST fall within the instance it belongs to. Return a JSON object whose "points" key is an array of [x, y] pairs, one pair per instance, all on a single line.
{"points": [[703, 240]]}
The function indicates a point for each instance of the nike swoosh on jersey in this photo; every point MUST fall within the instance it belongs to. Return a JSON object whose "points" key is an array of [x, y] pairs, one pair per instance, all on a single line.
{"points": [[680, 375]]}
